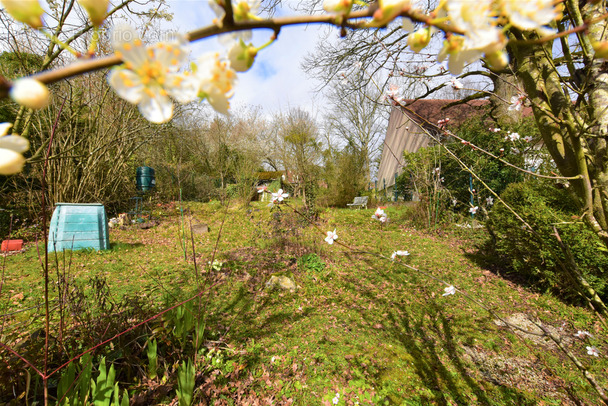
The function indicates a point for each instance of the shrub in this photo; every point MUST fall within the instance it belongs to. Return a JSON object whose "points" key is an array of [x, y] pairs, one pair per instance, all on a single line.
{"points": [[545, 206]]}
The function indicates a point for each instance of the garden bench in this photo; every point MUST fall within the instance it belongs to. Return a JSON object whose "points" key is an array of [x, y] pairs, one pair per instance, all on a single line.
{"points": [[360, 202]]}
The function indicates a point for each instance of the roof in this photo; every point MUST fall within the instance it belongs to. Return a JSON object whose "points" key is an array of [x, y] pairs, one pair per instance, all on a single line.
{"points": [[424, 111]]}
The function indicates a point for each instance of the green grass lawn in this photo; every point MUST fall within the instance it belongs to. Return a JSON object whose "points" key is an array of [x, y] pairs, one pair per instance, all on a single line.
{"points": [[358, 325]]}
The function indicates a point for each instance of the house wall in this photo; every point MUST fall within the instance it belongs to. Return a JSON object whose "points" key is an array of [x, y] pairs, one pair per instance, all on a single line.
{"points": [[402, 134]]}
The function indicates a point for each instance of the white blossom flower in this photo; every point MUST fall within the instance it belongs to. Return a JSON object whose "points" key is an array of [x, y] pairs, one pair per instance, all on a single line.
{"points": [[454, 202], [482, 36], [25, 11], [456, 84], [582, 334], [279, 196], [378, 214], [392, 93], [512, 136], [528, 138], [383, 219], [217, 80], [11, 148], [336, 399], [437, 171], [593, 351], [331, 237], [516, 102], [399, 253], [30, 93], [489, 200], [494, 129], [450, 290], [150, 74], [473, 210], [529, 15]]}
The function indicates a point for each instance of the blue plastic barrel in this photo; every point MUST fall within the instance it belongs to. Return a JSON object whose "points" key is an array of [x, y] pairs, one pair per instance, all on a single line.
{"points": [[79, 225], [145, 179]]}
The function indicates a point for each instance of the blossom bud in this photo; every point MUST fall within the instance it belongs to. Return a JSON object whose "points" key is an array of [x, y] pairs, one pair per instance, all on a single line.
{"points": [[30, 93], [241, 56], [419, 39], [11, 147], [96, 9], [11, 162], [25, 11], [242, 11], [497, 60], [387, 11], [337, 6], [601, 49]]}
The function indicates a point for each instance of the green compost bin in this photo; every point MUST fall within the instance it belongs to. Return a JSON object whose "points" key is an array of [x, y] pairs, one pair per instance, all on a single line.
{"points": [[77, 226], [145, 179]]}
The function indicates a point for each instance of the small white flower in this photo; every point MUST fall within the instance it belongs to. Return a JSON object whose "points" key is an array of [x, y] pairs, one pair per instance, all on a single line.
{"points": [[454, 202], [331, 237], [30, 93], [516, 102], [473, 210], [582, 334], [456, 84], [279, 196], [383, 219], [378, 214], [528, 138], [272, 359], [450, 290], [489, 200], [336, 399], [593, 351], [437, 171], [399, 253], [392, 93], [494, 129], [512, 136]]}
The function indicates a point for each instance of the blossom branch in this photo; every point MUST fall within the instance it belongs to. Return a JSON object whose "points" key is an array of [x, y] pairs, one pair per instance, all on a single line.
{"points": [[352, 21]]}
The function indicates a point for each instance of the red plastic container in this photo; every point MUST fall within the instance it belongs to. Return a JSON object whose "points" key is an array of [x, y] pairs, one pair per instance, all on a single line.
{"points": [[12, 245]]}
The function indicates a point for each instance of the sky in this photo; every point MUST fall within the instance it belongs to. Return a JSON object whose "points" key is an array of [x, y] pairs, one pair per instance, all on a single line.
{"points": [[276, 81]]}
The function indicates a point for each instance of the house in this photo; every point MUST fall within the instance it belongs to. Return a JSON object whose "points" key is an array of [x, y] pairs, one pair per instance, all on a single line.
{"points": [[407, 130]]}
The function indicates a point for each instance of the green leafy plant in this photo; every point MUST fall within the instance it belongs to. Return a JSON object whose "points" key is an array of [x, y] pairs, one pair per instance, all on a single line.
{"points": [[311, 262], [185, 383], [547, 208], [152, 359], [103, 388]]}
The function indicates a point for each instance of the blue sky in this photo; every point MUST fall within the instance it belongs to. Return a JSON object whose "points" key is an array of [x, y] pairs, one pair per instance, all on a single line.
{"points": [[276, 81]]}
